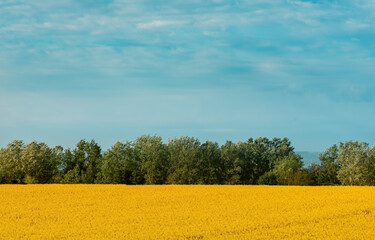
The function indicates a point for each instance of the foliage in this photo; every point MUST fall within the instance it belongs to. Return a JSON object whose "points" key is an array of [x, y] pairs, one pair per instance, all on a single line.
{"points": [[10, 163], [154, 159], [352, 158], [185, 160], [329, 167], [287, 169], [269, 178], [230, 161], [119, 165], [184, 156]]}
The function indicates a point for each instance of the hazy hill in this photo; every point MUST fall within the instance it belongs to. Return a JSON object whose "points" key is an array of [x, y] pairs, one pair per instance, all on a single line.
{"points": [[309, 158]]}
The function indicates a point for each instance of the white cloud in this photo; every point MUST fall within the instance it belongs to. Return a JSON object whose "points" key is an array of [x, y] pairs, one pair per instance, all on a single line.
{"points": [[159, 23], [211, 34], [352, 24]]}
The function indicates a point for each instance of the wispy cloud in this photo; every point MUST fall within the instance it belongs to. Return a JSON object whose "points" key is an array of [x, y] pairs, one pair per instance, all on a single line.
{"points": [[265, 61], [353, 24], [159, 23]]}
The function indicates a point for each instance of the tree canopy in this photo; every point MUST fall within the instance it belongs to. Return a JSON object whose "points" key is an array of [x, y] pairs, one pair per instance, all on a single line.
{"points": [[185, 160]]}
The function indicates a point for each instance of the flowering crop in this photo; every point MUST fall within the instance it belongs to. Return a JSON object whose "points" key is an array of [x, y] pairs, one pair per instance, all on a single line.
{"points": [[186, 212]]}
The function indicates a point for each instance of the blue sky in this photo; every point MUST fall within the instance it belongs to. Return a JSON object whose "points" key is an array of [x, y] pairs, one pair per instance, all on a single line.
{"points": [[114, 70]]}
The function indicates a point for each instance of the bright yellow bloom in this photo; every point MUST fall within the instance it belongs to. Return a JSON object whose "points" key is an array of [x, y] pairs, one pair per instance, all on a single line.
{"points": [[186, 212]]}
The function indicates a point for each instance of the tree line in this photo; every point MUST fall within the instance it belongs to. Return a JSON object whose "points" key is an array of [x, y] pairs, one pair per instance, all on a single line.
{"points": [[185, 160]]}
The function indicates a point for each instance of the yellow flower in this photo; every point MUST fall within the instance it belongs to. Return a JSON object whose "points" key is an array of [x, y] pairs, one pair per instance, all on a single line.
{"points": [[186, 212]]}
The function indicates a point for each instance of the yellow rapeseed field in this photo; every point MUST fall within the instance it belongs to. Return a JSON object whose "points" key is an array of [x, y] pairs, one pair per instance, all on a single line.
{"points": [[186, 212]]}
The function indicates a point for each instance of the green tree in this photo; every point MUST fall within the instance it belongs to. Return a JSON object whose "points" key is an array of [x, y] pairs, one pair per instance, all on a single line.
{"points": [[209, 164], [352, 159], [93, 158], [154, 158], [247, 162], [279, 149], [82, 164], [10, 163], [184, 155], [369, 175], [315, 173], [120, 165], [72, 176], [287, 169], [39, 163], [231, 164], [57, 153], [269, 178], [327, 174]]}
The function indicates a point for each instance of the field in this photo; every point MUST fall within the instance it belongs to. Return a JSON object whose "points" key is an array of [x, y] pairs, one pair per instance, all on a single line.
{"points": [[186, 212]]}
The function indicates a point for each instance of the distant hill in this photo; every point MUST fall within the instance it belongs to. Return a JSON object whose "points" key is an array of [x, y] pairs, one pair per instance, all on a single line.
{"points": [[309, 158]]}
